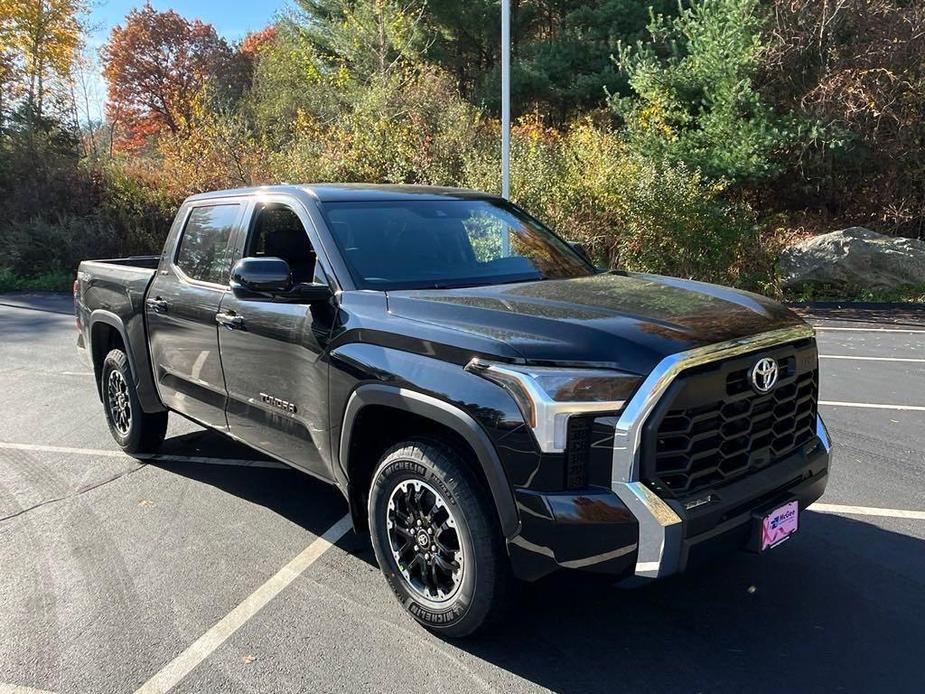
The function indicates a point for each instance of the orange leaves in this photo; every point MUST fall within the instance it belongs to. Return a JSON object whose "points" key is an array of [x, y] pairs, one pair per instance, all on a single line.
{"points": [[255, 41], [154, 66]]}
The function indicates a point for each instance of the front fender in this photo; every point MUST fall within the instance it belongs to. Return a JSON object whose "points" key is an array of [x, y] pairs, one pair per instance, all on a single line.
{"points": [[481, 413], [449, 416]]}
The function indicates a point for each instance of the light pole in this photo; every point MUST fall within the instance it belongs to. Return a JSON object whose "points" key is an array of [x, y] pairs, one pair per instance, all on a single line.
{"points": [[506, 99]]}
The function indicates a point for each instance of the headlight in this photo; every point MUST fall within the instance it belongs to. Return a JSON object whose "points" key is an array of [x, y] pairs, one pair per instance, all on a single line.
{"points": [[547, 396]]}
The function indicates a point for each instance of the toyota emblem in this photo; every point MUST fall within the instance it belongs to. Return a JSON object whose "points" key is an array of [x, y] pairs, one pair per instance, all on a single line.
{"points": [[764, 374]]}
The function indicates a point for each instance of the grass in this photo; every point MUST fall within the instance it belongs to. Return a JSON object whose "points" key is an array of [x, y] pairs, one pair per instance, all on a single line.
{"points": [[56, 281]]}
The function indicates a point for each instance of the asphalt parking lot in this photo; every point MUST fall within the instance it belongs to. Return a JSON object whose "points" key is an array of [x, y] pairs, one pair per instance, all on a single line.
{"points": [[116, 574]]}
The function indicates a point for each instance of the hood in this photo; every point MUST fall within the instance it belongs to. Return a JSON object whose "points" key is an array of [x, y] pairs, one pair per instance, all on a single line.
{"points": [[630, 321]]}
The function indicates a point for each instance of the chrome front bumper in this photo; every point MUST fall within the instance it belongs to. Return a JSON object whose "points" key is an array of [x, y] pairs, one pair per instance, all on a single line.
{"points": [[660, 527]]}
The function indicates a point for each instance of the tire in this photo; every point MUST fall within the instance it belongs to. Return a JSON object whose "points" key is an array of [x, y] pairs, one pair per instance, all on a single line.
{"points": [[135, 430], [451, 599]]}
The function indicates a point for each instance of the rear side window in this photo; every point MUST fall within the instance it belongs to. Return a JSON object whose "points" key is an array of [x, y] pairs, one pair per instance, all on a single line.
{"points": [[204, 253]]}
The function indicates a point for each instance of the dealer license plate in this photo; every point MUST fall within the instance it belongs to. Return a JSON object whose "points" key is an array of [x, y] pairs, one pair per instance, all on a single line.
{"points": [[779, 525]]}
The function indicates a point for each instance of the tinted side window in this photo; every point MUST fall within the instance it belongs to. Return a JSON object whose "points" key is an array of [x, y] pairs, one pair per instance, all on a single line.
{"points": [[277, 232], [204, 253]]}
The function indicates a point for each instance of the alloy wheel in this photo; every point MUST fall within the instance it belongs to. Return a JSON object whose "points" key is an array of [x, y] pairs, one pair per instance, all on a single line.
{"points": [[425, 542], [120, 404]]}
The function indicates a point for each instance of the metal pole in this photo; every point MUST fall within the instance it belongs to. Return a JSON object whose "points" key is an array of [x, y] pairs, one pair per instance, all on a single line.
{"points": [[506, 98]]}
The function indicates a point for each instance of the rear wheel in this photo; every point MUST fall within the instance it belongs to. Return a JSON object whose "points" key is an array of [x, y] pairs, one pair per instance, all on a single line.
{"points": [[436, 538], [135, 430]]}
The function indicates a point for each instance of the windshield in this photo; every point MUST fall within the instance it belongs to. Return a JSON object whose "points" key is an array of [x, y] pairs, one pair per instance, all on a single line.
{"points": [[418, 244]]}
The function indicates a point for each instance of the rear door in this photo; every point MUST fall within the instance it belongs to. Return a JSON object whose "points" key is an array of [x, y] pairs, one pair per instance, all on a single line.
{"points": [[273, 352], [181, 305]]}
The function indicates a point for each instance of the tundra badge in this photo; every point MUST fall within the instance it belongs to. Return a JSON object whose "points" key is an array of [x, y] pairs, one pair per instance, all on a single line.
{"points": [[279, 404]]}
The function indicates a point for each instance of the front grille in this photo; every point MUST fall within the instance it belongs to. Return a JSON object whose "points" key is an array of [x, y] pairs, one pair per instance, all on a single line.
{"points": [[712, 428], [577, 452]]}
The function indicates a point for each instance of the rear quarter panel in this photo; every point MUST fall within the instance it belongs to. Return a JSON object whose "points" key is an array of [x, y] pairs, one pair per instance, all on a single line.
{"points": [[113, 294]]}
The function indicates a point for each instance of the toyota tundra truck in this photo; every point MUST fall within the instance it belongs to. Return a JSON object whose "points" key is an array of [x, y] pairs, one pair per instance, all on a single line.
{"points": [[492, 406]]}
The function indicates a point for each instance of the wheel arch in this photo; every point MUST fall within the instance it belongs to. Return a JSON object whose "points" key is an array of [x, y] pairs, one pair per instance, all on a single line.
{"points": [[442, 415], [108, 331]]}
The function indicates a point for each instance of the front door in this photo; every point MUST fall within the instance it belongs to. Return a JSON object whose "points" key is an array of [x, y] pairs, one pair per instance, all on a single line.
{"points": [[180, 309], [272, 351]]}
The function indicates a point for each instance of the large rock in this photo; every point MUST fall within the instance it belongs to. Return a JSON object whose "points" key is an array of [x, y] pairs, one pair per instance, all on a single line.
{"points": [[855, 257]]}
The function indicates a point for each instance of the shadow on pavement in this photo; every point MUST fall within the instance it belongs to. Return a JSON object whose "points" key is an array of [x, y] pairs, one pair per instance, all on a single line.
{"points": [[296, 496], [44, 302], [19, 324], [210, 444], [839, 608]]}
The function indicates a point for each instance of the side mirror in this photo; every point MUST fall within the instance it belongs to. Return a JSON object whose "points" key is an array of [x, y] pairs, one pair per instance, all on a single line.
{"points": [[262, 275], [309, 292]]}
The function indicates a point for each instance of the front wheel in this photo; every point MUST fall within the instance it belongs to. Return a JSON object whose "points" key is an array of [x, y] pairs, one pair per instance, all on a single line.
{"points": [[437, 539], [135, 430]]}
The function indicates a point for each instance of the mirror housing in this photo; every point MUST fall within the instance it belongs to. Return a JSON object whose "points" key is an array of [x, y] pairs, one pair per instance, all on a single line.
{"points": [[271, 278], [309, 292], [261, 275]]}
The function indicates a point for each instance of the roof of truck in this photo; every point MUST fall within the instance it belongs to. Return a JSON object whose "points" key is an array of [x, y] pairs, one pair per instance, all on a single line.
{"points": [[353, 192]]}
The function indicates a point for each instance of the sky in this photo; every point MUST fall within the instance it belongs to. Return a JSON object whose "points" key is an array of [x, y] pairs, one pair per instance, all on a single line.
{"points": [[232, 19]]}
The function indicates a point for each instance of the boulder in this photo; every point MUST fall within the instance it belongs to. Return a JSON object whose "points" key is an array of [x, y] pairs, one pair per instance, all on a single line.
{"points": [[855, 257]]}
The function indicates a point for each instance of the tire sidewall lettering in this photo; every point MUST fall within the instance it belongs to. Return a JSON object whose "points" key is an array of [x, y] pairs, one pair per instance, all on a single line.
{"points": [[388, 476]]}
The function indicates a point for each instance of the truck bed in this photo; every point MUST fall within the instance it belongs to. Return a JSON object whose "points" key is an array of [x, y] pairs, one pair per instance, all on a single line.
{"points": [[112, 293], [133, 272], [116, 284], [137, 261]]}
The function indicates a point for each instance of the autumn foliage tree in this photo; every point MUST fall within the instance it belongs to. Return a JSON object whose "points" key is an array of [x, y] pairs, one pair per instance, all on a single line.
{"points": [[39, 40], [155, 65]]}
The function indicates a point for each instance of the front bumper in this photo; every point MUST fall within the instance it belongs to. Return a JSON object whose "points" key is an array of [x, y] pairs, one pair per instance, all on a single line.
{"points": [[713, 530], [595, 530], [629, 529], [661, 528]]}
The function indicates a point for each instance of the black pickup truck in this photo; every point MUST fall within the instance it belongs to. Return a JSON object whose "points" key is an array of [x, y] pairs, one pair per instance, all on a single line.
{"points": [[490, 404]]}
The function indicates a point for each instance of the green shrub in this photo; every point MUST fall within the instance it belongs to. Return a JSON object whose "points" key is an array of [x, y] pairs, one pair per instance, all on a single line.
{"points": [[138, 212], [38, 247], [677, 224], [410, 127], [627, 210], [695, 100], [57, 281]]}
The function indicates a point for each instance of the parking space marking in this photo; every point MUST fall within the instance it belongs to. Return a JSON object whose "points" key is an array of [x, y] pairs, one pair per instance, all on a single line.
{"points": [[17, 689], [867, 511], [171, 674], [869, 330], [156, 457], [851, 356], [872, 405]]}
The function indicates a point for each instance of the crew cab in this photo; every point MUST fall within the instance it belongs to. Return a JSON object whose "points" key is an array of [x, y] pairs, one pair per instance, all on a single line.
{"points": [[491, 405]]}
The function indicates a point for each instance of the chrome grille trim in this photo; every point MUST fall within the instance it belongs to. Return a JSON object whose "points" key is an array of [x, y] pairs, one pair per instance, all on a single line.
{"points": [[660, 531]]}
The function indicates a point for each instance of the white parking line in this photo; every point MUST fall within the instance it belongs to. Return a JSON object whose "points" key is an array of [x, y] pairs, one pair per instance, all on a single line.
{"points": [[202, 648], [157, 457], [851, 356], [17, 689], [867, 511], [869, 330], [872, 405]]}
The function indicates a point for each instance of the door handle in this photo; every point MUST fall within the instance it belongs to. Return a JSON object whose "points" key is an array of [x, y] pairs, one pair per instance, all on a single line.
{"points": [[230, 320], [157, 304]]}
